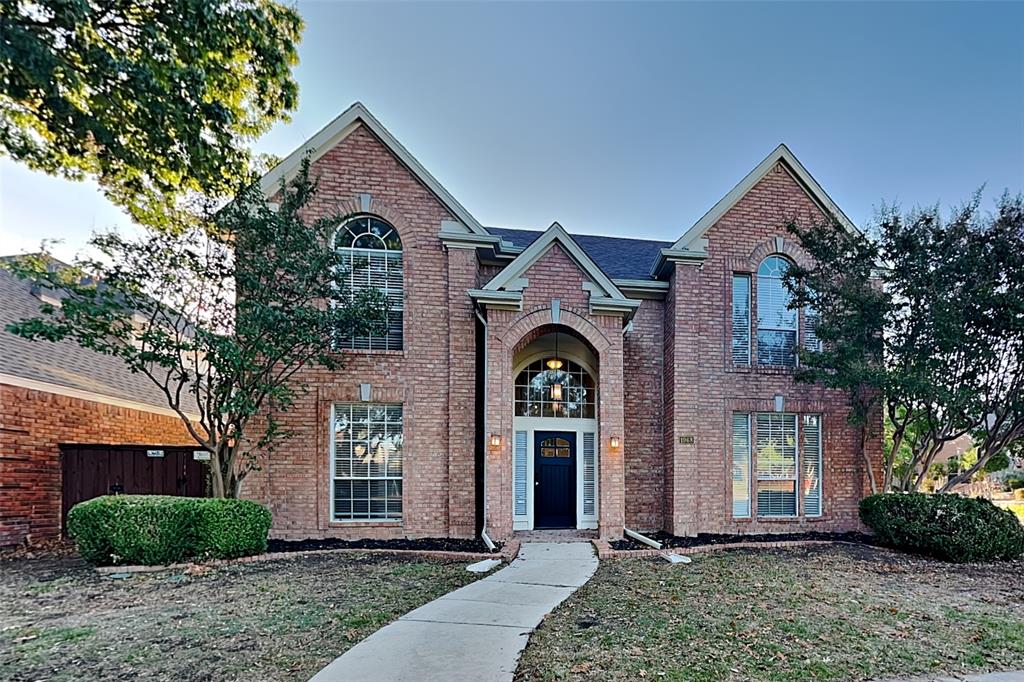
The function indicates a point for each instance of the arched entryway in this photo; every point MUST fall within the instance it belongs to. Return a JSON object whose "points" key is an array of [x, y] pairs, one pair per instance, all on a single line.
{"points": [[554, 431]]}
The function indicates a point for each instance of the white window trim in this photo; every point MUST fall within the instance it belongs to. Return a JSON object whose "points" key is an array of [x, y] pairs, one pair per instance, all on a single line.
{"points": [[756, 315], [330, 486]]}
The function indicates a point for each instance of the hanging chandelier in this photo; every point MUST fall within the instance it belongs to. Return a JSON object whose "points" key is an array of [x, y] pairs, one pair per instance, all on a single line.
{"points": [[555, 364]]}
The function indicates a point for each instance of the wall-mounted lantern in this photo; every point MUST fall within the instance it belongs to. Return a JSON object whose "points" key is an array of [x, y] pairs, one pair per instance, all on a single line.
{"points": [[615, 442], [495, 440]]}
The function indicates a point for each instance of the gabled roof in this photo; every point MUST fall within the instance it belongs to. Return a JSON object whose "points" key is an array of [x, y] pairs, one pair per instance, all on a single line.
{"points": [[340, 128], [694, 242], [621, 258], [506, 287]]}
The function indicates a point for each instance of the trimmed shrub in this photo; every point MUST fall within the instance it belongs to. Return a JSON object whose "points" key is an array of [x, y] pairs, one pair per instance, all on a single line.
{"points": [[948, 527], [161, 529]]}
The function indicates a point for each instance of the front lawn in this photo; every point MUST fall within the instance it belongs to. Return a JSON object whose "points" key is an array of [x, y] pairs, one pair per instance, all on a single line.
{"points": [[276, 620], [822, 613]]}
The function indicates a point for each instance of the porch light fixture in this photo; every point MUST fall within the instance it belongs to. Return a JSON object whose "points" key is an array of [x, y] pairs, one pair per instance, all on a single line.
{"points": [[556, 391], [495, 440], [615, 442], [555, 362]]}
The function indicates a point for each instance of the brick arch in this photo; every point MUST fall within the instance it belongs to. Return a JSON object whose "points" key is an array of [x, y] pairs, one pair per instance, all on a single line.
{"points": [[778, 246], [536, 323], [351, 207]]}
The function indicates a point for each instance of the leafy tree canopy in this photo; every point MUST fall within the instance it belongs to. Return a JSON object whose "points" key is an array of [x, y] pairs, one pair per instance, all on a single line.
{"points": [[153, 98], [221, 315], [926, 321]]}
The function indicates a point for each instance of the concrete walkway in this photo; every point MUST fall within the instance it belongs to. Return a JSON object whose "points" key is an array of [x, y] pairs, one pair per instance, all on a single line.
{"points": [[476, 632]]}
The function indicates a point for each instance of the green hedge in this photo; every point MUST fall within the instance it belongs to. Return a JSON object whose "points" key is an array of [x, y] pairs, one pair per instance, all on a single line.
{"points": [[160, 529], [949, 527]]}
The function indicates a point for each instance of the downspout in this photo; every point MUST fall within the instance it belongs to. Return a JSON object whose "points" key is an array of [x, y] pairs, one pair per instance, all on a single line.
{"points": [[483, 526], [641, 538]]}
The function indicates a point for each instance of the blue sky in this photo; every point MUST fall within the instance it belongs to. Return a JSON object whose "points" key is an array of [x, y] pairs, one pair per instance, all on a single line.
{"points": [[634, 119]]}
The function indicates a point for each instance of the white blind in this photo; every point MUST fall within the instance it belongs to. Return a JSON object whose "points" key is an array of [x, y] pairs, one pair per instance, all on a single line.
{"points": [[380, 270], [811, 455], [811, 340], [589, 474], [740, 465], [741, 319], [776, 323], [367, 441], [776, 464], [519, 473]]}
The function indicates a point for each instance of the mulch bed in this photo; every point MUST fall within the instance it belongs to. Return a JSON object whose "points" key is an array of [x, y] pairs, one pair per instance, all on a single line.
{"points": [[668, 540], [419, 544]]}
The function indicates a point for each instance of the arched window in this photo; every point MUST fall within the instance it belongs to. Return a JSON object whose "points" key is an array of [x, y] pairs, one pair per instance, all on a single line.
{"points": [[373, 251], [776, 322], [568, 392]]}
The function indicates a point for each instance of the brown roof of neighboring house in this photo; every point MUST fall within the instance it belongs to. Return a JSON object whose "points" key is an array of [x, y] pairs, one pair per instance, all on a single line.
{"points": [[65, 363]]}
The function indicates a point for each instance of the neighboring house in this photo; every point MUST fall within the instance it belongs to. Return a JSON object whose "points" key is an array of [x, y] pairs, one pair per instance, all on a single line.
{"points": [[75, 424], [542, 379]]}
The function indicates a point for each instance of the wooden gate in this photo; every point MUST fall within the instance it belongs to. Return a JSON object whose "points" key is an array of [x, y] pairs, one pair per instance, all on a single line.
{"points": [[93, 470]]}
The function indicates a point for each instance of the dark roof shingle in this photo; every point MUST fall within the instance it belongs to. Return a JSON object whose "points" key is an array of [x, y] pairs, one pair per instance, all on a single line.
{"points": [[618, 257], [65, 363]]}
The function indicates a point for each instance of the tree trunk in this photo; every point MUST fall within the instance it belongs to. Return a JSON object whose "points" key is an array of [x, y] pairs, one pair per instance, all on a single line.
{"points": [[867, 460]]}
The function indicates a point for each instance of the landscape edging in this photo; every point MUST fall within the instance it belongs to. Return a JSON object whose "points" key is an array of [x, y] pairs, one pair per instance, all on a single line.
{"points": [[605, 551], [507, 554]]}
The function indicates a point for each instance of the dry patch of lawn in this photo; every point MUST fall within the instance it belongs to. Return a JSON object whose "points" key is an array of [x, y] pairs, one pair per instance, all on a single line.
{"points": [[279, 620], [825, 613]]}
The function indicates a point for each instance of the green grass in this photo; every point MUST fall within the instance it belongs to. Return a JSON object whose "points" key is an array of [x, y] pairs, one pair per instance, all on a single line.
{"points": [[822, 614], [278, 620]]}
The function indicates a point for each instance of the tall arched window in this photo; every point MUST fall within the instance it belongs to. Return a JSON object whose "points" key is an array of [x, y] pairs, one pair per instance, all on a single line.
{"points": [[776, 322], [373, 251], [568, 391]]}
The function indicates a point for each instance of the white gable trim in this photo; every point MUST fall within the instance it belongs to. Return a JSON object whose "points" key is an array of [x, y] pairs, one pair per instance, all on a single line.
{"points": [[694, 241], [340, 128], [540, 246]]}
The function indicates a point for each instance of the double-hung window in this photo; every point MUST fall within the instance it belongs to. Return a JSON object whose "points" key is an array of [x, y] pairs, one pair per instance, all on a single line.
{"points": [[777, 460], [372, 252], [776, 322], [366, 467]]}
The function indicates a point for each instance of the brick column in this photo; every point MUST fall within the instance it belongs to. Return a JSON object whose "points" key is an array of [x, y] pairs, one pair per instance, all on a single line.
{"points": [[611, 479], [498, 411], [461, 392]]}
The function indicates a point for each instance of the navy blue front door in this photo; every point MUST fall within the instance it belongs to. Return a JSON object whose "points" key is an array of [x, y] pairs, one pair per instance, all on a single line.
{"points": [[554, 473]]}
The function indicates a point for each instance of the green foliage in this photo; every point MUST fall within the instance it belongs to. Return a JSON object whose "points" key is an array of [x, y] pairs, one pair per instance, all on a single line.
{"points": [[925, 319], [220, 315], [1015, 482], [159, 529], [997, 462], [152, 98], [950, 527]]}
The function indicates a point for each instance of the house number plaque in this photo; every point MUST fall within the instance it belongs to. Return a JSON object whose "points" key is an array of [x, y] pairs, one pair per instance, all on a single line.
{"points": [[686, 440]]}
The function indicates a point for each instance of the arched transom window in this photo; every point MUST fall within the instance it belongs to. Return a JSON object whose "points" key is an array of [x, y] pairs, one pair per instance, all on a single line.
{"points": [[776, 322], [568, 392], [373, 251]]}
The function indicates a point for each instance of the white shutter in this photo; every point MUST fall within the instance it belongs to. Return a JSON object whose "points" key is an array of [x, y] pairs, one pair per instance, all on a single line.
{"points": [[741, 319], [519, 473], [589, 475], [811, 483], [740, 465]]}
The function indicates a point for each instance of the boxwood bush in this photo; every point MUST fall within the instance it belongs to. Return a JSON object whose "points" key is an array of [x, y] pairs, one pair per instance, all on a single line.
{"points": [[161, 529], [948, 527]]}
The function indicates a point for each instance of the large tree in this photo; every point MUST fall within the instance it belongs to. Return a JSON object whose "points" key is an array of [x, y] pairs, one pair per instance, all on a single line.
{"points": [[925, 320], [221, 316], [152, 98]]}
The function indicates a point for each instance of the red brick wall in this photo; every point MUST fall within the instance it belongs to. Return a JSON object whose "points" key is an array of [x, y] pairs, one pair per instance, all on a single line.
{"points": [[706, 388], [32, 425], [643, 448], [432, 376]]}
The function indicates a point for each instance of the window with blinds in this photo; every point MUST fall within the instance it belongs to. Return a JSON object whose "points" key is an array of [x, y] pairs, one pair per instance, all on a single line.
{"points": [[811, 456], [366, 447], [373, 251], [776, 438], [776, 323], [740, 465], [811, 340], [589, 474], [741, 319], [519, 482]]}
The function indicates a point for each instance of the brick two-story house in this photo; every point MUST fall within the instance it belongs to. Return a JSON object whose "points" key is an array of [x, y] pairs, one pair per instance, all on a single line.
{"points": [[542, 379]]}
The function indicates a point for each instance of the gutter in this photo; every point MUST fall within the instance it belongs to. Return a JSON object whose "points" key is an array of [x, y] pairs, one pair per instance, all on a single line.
{"points": [[642, 538], [483, 530]]}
